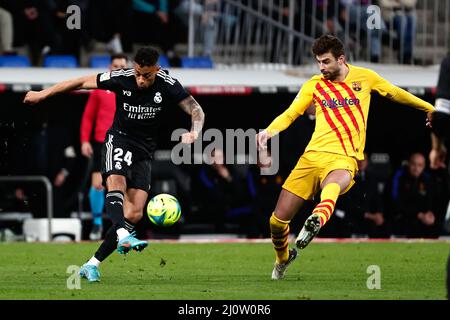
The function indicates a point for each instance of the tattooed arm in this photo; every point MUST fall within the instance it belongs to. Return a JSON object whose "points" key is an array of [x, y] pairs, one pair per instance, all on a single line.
{"points": [[190, 106]]}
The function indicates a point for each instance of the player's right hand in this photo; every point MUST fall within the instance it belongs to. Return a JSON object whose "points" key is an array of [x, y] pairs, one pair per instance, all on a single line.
{"points": [[261, 140], [86, 149], [33, 97]]}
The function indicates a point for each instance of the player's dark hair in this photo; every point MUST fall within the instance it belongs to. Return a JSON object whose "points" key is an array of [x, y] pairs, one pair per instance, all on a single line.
{"points": [[119, 56], [328, 43], [146, 57]]}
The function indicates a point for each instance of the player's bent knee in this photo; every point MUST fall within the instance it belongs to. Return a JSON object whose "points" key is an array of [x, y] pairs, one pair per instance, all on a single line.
{"points": [[276, 219], [134, 215], [116, 182], [287, 206], [279, 214], [283, 214]]}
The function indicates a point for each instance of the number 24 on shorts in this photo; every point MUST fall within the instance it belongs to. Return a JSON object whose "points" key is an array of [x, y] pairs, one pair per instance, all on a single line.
{"points": [[118, 152]]}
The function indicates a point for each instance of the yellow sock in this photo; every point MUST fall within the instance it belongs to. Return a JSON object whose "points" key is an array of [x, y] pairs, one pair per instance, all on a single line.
{"points": [[327, 203], [279, 231]]}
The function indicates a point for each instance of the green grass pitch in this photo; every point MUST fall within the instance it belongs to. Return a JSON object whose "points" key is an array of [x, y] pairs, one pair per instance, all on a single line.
{"points": [[227, 271]]}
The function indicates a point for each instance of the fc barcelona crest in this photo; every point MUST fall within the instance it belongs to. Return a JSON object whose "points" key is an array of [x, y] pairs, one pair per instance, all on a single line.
{"points": [[356, 86]]}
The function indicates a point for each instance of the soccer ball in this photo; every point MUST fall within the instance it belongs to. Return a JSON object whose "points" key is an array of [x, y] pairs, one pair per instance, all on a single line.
{"points": [[164, 210]]}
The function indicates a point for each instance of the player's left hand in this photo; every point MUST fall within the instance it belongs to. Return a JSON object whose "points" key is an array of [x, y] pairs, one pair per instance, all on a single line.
{"points": [[261, 140], [189, 137]]}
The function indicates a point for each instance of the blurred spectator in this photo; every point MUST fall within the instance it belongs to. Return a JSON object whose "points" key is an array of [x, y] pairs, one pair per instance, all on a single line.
{"points": [[321, 17], [213, 15], [6, 32], [440, 135], [66, 41], [209, 13], [412, 197], [363, 204], [13, 197], [151, 24], [440, 138], [182, 10], [441, 118], [324, 16], [355, 11], [318, 18], [51, 128], [33, 26], [62, 190], [110, 22], [401, 16], [333, 17], [228, 191]]}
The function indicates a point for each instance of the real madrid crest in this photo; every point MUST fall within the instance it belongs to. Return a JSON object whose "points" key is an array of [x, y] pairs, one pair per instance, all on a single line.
{"points": [[356, 86], [157, 97]]}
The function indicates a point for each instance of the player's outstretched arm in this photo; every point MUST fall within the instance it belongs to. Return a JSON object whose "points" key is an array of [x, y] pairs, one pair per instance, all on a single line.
{"points": [[402, 96], [191, 106], [87, 82], [397, 94]]}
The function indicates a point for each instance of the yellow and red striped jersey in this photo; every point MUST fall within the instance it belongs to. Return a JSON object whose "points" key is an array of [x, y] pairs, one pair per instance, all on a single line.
{"points": [[342, 109]]}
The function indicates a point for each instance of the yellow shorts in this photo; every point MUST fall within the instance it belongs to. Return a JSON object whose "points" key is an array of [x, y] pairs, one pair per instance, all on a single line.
{"points": [[311, 170]]}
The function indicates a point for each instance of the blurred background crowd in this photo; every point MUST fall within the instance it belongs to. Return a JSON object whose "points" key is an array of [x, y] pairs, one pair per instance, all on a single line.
{"points": [[394, 31]]}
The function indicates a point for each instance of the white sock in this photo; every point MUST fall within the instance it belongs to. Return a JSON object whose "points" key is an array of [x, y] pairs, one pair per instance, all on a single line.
{"points": [[94, 261], [122, 233]]}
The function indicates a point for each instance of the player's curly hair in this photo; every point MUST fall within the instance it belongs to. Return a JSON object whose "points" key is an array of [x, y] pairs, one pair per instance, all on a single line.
{"points": [[146, 57], [328, 43]]}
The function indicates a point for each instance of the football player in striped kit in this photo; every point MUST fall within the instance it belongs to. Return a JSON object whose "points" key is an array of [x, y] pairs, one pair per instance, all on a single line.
{"points": [[341, 96]]}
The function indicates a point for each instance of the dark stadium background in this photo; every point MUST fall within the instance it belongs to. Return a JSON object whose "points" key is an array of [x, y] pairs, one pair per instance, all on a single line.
{"points": [[393, 129]]}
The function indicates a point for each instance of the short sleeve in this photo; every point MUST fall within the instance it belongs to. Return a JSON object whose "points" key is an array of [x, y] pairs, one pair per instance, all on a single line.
{"points": [[177, 92], [107, 81]]}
